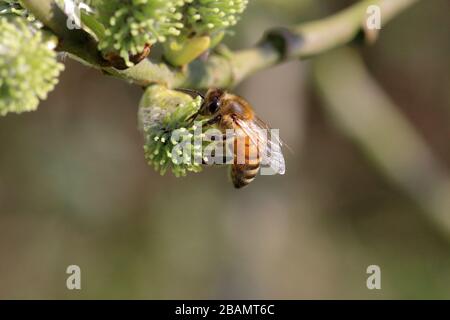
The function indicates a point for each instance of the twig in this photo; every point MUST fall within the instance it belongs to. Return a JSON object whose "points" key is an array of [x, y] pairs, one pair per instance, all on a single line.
{"points": [[277, 46], [367, 115]]}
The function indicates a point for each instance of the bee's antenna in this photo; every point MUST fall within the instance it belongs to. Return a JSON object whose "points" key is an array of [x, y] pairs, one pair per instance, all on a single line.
{"points": [[192, 93]]}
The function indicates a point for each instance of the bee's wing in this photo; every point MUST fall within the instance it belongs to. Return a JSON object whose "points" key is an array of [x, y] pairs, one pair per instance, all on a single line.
{"points": [[270, 149], [264, 125], [271, 153]]}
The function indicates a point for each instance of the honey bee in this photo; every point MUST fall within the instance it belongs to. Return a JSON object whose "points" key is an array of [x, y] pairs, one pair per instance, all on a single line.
{"points": [[231, 112]]}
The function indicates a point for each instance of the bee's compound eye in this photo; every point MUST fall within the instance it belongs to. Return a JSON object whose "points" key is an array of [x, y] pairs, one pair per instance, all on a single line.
{"points": [[213, 107]]}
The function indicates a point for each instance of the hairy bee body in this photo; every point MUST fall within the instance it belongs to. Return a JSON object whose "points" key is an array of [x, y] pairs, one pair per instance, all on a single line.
{"points": [[229, 111], [246, 157]]}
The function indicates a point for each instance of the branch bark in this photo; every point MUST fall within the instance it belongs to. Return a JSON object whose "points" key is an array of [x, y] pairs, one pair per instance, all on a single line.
{"points": [[225, 70], [368, 116]]}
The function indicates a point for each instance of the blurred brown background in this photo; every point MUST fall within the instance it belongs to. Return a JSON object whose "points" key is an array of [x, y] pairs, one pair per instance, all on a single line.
{"points": [[75, 189]]}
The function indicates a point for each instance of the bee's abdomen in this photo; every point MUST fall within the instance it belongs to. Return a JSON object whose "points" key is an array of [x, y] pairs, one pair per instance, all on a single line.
{"points": [[244, 171], [243, 175]]}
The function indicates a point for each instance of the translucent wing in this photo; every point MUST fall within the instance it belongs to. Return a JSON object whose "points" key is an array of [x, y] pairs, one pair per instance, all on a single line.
{"points": [[271, 151], [268, 142], [264, 125]]}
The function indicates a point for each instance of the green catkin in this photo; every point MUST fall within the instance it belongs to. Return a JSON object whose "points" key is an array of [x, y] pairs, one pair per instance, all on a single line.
{"points": [[162, 113], [205, 23], [130, 25], [211, 16], [28, 66]]}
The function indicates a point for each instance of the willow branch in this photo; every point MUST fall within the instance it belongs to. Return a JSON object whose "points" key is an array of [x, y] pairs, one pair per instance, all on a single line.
{"points": [[366, 114], [226, 70]]}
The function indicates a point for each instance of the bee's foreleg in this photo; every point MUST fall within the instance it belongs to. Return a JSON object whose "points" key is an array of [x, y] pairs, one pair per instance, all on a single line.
{"points": [[214, 120], [192, 118]]}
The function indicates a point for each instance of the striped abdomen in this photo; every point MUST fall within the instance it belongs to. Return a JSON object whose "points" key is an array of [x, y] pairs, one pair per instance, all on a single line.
{"points": [[246, 162]]}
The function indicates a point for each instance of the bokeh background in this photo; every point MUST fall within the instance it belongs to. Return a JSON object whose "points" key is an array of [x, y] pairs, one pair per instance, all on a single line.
{"points": [[367, 181]]}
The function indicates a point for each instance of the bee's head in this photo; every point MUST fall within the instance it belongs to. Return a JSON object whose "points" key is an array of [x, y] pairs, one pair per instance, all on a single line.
{"points": [[212, 103]]}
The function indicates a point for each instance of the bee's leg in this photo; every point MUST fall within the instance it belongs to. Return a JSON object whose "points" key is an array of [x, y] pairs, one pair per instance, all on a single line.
{"points": [[226, 158], [214, 120], [192, 118]]}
